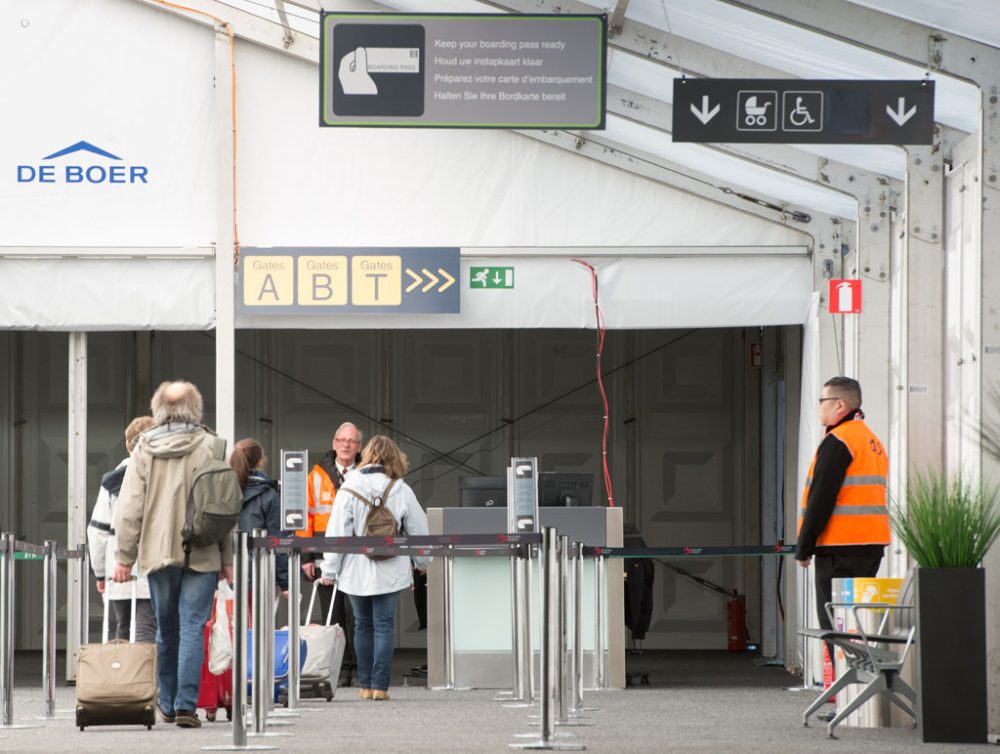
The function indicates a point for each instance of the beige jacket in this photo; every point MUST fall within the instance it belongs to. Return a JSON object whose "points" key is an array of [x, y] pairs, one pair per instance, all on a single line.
{"points": [[149, 513]]}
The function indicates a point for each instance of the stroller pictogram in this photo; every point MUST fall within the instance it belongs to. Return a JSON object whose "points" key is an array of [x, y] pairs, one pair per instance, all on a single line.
{"points": [[756, 115]]}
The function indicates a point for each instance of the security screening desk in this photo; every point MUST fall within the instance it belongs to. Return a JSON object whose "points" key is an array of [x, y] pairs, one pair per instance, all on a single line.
{"points": [[482, 598]]}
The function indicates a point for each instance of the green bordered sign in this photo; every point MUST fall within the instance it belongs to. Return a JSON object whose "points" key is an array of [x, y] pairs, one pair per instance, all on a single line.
{"points": [[491, 277], [463, 71]]}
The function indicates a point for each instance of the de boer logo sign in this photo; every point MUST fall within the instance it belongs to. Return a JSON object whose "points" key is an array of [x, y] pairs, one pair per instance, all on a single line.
{"points": [[83, 163]]}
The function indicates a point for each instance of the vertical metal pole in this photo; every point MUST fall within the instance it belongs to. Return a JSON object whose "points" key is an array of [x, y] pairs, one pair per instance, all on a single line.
{"points": [[577, 705], [294, 621], [7, 628], [449, 607], [561, 691], [259, 654], [514, 638], [601, 673], [521, 694], [550, 633], [267, 635], [529, 650], [240, 607], [49, 628], [449, 622], [84, 595]]}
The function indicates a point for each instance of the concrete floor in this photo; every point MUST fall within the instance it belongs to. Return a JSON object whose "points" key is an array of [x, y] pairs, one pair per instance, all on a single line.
{"points": [[696, 702]]}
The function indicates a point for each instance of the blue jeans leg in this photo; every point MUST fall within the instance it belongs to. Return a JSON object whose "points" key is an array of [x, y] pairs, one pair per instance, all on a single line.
{"points": [[374, 638], [182, 601]]}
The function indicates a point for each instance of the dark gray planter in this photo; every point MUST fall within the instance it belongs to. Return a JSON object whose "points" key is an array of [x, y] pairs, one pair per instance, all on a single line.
{"points": [[951, 655]]}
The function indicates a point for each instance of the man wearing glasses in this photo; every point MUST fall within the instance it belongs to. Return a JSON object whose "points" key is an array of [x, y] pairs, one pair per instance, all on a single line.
{"points": [[843, 519], [325, 478]]}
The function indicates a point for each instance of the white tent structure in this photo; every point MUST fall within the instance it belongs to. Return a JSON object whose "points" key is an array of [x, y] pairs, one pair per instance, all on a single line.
{"points": [[683, 236]]}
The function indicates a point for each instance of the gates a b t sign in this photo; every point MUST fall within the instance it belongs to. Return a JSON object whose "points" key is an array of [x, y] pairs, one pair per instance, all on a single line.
{"points": [[462, 71]]}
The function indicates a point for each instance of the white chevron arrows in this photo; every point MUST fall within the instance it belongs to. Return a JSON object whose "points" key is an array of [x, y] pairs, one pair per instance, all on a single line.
{"points": [[432, 280]]}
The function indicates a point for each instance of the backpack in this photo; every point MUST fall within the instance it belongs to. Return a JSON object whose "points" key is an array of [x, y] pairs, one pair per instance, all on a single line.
{"points": [[380, 521], [214, 502]]}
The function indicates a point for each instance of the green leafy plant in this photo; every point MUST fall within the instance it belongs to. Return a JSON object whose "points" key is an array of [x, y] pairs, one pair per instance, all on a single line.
{"points": [[947, 523]]}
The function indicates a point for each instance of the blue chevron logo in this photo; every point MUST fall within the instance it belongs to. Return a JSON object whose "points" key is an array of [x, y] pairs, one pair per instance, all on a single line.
{"points": [[81, 146]]}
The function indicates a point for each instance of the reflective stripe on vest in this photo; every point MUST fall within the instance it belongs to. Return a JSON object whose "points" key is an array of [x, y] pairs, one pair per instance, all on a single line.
{"points": [[860, 515]]}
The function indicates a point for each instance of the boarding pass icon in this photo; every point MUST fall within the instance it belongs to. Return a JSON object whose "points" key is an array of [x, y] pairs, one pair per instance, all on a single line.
{"points": [[357, 66]]}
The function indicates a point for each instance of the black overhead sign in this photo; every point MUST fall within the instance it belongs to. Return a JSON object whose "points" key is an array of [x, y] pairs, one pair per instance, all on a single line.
{"points": [[803, 111]]}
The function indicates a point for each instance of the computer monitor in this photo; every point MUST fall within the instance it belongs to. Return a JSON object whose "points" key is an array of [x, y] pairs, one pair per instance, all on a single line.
{"points": [[483, 491], [566, 489]]}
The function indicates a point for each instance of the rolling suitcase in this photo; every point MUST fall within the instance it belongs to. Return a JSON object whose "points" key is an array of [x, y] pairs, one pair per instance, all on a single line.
{"points": [[116, 682], [326, 644]]}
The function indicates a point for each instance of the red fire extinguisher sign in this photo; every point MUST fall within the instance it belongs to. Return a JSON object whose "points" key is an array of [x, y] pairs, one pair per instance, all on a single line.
{"points": [[845, 297]]}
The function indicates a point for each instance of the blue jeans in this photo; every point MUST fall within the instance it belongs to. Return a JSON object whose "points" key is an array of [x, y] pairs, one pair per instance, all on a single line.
{"points": [[182, 601], [374, 638]]}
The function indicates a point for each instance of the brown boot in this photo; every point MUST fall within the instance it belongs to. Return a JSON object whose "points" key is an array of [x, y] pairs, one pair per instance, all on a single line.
{"points": [[379, 695], [366, 694]]}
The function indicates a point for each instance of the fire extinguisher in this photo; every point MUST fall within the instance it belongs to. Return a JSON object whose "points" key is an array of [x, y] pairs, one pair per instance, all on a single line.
{"points": [[736, 624]]}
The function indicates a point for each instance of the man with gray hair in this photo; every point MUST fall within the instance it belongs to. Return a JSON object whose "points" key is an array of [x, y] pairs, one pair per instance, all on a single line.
{"points": [[325, 479], [149, 517]]}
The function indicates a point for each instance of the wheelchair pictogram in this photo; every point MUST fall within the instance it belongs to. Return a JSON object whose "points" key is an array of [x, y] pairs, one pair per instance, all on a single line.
{"points": [[803, 111], [757, 111]]}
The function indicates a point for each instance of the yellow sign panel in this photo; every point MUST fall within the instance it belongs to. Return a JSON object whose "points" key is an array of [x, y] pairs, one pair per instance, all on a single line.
{"points": [[376, 281], [322, 281], [269, 281]]}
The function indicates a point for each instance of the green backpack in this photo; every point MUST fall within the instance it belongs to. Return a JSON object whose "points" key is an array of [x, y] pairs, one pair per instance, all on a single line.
{"points": [[214, 502]]}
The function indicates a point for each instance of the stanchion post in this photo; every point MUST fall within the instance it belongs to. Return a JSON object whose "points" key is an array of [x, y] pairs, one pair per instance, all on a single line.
{"points": [[577, 628], [449, 622], [550, 649], [600, 660], [7, 628], [84, 594], [294, 621], [267, 635], [240, 607], [562, 712], [49, 628], [521, 693], [529, 650], [259, 675]]}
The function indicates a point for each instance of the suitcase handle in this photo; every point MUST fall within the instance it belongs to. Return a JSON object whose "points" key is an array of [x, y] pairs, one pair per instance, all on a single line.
{"points": [[312, 601]]}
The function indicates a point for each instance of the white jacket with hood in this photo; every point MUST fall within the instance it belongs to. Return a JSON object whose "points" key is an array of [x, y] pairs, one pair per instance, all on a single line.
{"points": [[358, 574]]}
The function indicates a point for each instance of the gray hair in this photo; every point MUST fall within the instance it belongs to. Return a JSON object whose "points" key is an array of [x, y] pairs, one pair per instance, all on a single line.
{"points": [[361, 435], [177, 401]]}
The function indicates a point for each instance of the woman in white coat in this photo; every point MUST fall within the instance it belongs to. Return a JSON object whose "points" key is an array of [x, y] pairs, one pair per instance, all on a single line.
{"points": [[374, 585]]}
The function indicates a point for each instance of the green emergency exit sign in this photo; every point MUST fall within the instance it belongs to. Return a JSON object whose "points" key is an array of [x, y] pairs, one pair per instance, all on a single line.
{"points": [[491, 277]]}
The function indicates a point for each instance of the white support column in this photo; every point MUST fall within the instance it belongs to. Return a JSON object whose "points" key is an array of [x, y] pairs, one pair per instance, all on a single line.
{"points": [[924, 313], [225, 336], [76, 494]]}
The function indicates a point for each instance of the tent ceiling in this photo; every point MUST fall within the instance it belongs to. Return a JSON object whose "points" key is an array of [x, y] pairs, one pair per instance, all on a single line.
{"points": [[744, 34]]}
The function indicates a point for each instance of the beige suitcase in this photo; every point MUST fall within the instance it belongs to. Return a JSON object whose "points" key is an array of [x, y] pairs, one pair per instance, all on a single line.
{"points": [[116, 684]]}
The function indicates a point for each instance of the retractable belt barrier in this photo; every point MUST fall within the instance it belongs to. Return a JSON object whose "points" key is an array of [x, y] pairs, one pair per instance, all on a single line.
{"points": [[687, 552], [562, 678], [12, 550]]}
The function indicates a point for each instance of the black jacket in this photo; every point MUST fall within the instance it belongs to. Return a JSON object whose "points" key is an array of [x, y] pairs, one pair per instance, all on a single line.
{"points": [[262, 510]]}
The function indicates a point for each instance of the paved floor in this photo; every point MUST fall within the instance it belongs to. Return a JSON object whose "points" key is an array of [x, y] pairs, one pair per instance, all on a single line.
{"points": [[696, 702]]}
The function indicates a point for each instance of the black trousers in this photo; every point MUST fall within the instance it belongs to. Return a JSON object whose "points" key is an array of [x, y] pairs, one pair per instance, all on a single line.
{"points": [[830, 567], [343, 615]]}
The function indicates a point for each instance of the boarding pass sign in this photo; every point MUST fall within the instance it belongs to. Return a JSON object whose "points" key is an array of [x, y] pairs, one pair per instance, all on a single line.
{"points": [[463, 71]]}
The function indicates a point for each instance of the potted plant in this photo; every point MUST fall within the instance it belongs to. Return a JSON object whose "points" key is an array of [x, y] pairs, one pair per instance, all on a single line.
{"points": [[947, 526]]}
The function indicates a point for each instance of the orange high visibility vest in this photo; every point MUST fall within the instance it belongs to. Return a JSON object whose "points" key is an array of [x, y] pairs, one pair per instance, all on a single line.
{"points": [[321, 493], [860, 515]]}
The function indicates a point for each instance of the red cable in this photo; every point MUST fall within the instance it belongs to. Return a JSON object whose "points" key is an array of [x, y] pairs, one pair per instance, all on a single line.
{"points": [[601, 330]]}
